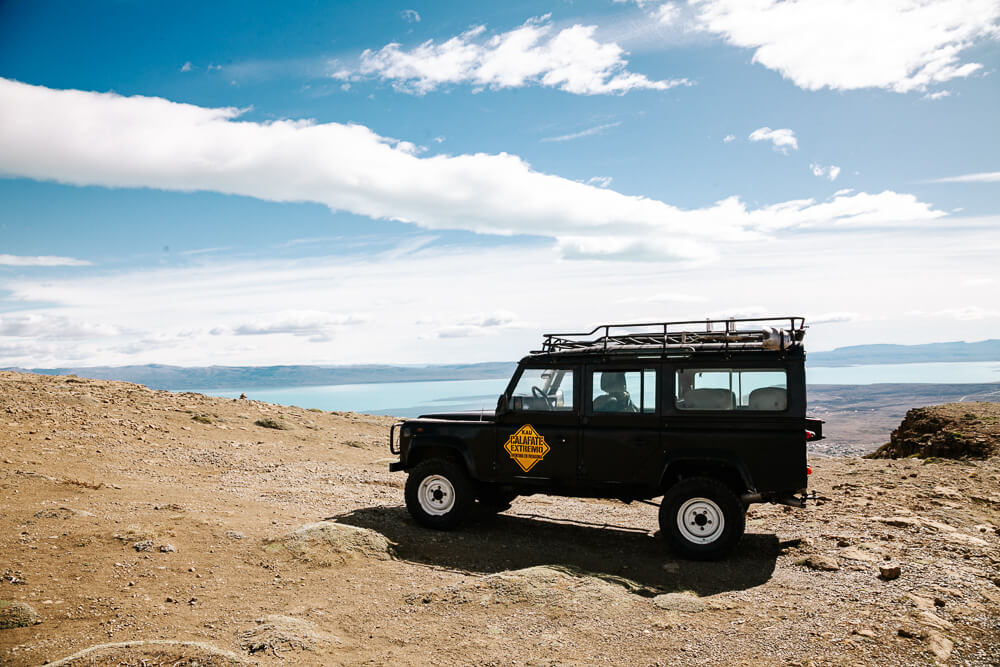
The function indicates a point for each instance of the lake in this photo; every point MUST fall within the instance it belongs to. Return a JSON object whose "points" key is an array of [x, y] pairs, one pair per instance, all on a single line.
{"points": [[409, 399]]}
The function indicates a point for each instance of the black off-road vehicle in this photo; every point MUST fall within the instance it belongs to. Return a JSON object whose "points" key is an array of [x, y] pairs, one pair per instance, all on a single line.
{"points": [[709, 414]]}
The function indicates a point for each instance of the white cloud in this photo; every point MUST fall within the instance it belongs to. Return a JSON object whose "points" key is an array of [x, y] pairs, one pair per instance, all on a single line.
{"points": [[40, 260], [186, 67], [941, 94], [830, 318], [104, 139], [314, 325], [783, 138], [599, 129], [532, 54], [831, 172], [600, 181], [43, 325], [982, 177], [899, 45], [410, 15], [408, 299], [728, 138], [667, 13]]}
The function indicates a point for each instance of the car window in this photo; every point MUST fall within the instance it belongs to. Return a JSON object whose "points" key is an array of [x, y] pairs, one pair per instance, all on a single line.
{"points": [[624, 391], [549, 389], [731, 389]]}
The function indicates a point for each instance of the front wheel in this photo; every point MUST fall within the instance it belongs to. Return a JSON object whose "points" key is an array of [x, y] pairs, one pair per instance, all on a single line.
{"points": [[438, 494], [702, 518]]}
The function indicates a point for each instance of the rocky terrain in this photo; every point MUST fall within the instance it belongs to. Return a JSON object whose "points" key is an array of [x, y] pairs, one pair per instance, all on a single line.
{"points": [[143, 527]]}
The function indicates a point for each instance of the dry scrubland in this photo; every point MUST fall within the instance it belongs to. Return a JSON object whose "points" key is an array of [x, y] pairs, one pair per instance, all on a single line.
{"points": [[176, 529]]}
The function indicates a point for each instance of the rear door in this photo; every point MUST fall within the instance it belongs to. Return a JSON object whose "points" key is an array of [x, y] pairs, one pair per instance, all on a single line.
{"points": [[620, 440], [538, 436]]}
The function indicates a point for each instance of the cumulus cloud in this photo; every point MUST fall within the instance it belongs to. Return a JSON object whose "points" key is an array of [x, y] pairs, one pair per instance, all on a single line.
{"points": [[590, 131], [899, 45], [783, 139], [831, 172], [728, 138], [982, 177], [42, 325], [40, 260], [186, 67], [314, 325], [103, 139], [410, 15], [532, 54]]}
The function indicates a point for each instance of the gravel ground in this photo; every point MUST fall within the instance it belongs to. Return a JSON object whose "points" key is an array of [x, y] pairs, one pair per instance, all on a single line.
{"points": [[146, 527]]}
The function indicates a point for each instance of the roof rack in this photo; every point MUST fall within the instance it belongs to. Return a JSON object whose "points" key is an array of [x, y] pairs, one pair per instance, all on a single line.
{"points": [[757, 333]]}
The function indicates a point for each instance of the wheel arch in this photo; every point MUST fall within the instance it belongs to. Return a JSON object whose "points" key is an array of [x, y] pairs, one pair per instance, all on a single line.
{"points": [[727, 469], [425, 449]]}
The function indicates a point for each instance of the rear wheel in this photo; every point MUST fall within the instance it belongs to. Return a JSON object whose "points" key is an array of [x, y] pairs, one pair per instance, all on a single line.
{"points": [[438, 494], [702, 518]]}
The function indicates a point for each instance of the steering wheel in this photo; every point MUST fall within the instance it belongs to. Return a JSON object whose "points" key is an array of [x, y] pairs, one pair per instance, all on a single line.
{"points": [[538, 393]]}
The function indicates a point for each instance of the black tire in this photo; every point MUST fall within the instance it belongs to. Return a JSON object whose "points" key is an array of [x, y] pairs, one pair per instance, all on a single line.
{"points": [[702, 518], [438, 494], [494, 500]]}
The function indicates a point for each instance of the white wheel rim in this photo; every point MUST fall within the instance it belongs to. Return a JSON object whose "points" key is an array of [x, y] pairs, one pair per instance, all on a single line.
{"points": [[436, 495], [700, 521]]}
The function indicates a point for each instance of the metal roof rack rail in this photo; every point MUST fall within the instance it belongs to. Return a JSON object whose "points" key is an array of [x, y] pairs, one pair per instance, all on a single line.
{"points": [[753, 333]]}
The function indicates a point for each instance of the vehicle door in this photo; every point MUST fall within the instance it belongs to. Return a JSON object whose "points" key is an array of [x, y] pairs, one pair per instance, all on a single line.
{"points": [[751, 416], [620, 441], [537, 435]]}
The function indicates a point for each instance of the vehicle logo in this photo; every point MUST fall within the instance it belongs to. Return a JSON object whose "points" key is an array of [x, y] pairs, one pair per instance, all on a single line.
{"points": [[526, 447]]}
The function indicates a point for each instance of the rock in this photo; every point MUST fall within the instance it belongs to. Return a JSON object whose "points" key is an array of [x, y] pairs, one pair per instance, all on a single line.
{"points": [[167, 548], [284, 633], [969, 540], [909, 632], [326, 542], [679, 602], [947, 492], [900, 521], [853, 553], [940, 645], [920, 601], [234, 535], [143, 545], [820, 562], [889, 572], [934, 621], [17, 615], [865, 632]]}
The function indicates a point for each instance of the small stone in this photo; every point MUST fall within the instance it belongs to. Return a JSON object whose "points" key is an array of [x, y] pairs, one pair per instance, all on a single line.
{"points": [[17, 615], [865, 632], [167, 548], [235, 535], [144, 545], [820, 562], [170, 599], [889, 572], [909, 632]]}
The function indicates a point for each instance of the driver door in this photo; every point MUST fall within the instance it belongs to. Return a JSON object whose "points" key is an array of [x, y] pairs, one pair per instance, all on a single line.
{"points": [[538, 435]]}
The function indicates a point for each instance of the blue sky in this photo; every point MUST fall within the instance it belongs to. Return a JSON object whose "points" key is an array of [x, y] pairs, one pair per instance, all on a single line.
{"points": [[305, 182]]}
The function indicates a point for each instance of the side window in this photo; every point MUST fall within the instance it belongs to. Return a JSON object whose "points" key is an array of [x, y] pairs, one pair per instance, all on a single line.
{"points": [[624, 391], [547, 389], [731, 389]]}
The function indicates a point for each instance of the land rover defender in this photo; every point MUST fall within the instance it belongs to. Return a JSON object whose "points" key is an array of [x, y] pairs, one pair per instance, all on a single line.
{"points": [[708, 414]]}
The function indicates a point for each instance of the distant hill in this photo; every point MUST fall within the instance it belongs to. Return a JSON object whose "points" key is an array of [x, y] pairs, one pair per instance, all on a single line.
{"points": [[181, 378], [987, 350]]}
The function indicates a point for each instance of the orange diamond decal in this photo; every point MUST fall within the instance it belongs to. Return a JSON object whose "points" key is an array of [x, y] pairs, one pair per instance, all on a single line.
{"points": [[526, 447]]}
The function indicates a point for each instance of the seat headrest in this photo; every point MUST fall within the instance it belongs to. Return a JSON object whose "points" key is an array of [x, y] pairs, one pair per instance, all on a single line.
{"points": [[613, 382]]}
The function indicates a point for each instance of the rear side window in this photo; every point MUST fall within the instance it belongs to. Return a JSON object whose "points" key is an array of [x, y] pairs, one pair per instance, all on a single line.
{"points": [[731, 389], [624, 391]]}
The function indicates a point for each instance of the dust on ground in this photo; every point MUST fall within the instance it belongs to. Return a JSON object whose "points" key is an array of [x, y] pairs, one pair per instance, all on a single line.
{"points": [[146, 527]]}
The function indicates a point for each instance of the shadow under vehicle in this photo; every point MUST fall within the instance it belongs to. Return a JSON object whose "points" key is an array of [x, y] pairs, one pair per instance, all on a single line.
{"points": [[709, 414]]}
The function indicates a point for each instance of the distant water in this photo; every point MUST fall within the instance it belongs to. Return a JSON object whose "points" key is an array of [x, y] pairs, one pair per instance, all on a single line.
{"points": [[409, 399]]}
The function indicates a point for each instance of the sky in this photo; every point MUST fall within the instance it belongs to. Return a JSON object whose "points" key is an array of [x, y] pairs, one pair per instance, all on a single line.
{"points": [[256, 183]]}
